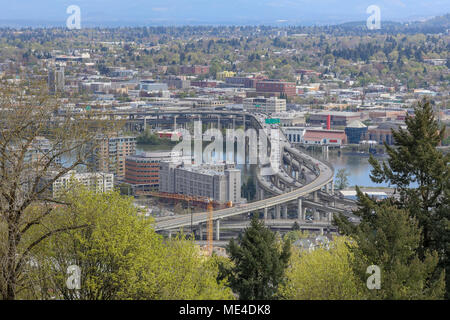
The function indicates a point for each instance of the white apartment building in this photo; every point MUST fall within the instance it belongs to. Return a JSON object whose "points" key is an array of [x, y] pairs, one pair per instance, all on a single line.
{"points": [[96, 181], [220, 182], [265, 105]]}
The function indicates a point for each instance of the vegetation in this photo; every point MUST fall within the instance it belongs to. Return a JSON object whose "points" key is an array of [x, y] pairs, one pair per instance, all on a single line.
{"points": [[29, 166], [324, 273], [342, 179], [120, 256], [148, 138], [408, 237], [259, 262]]}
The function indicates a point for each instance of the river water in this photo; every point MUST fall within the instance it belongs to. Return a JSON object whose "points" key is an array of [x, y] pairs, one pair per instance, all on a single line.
{"points": [[357, 165]]}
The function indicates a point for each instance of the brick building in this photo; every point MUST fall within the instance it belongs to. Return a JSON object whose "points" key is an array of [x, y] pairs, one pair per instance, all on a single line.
{"points": [[276, 88]]}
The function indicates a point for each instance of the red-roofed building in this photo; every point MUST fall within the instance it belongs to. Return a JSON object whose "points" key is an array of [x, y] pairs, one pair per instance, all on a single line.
{"points": [[324, 137]]}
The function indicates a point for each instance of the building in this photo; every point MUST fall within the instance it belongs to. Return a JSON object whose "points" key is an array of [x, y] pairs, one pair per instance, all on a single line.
{"points": [[243, 82], [337, 118], [266, 105], [194, 70], [276, 88], [56, 79], [113, 152], [142, 170], [294, 134], [225, 74], [324, 137], [291, 119], [220, 182], [152, 86], [382, 133], [355, 131], [95, 181], [204, 84], [177, 83]]}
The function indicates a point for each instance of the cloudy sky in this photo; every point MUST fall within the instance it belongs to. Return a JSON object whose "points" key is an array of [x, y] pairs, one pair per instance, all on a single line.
{"points": [[160, 12]]}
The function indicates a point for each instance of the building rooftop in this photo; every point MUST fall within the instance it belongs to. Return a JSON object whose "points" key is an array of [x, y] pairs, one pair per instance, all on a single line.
{"points": [[356, 124]]}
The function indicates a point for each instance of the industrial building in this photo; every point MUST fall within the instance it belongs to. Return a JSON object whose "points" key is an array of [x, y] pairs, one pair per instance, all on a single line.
{"points": [[220, 182], [337, 118]]}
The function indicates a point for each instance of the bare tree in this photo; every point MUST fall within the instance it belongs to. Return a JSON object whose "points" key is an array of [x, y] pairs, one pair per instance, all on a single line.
{"points": [[40, 142]]}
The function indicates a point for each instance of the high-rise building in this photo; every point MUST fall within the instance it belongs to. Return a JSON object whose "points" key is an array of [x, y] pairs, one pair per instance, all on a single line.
{"points": [[113, 152], [56, 79]]}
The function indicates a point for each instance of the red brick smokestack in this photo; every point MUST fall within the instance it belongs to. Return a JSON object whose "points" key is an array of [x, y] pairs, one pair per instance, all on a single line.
{"points": [[329, 122]]}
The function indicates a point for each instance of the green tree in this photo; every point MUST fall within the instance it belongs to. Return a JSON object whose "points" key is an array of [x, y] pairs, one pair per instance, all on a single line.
{"points": [[120, 256], [414, 158], [323, 273], [389, 238], [342, 179], [259, 263]]}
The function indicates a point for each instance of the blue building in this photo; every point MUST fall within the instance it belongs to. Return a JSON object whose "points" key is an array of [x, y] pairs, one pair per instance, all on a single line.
{"points": [[354, 131]]}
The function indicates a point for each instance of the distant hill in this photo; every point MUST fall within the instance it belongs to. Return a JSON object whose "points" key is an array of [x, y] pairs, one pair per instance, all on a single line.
{"points": [[439, 24]]}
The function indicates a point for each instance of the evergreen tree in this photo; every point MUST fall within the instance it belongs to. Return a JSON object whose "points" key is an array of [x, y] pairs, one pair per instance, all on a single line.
{"points": [[389, 237], [415, 159], [259, 263]]}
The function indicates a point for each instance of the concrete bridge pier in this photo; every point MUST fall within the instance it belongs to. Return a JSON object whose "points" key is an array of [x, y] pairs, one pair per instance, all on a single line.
{"points": [[316, 215], [332, 187], [330, 216], [285, 211], [261, 194], [218, 229], [299, 209], [265, 213], [277, 211], [316, 196]]}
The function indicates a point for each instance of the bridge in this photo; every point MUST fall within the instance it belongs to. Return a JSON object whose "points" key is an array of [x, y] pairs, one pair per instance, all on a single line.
{"points": [[323, 178], [289, 186]]}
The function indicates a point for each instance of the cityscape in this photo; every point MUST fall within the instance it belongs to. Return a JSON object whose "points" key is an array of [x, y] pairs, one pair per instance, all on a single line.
{"points": [[181, 159]]}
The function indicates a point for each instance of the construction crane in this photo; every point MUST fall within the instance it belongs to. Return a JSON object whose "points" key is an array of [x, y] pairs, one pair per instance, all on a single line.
{"points": [[209, 227]]}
